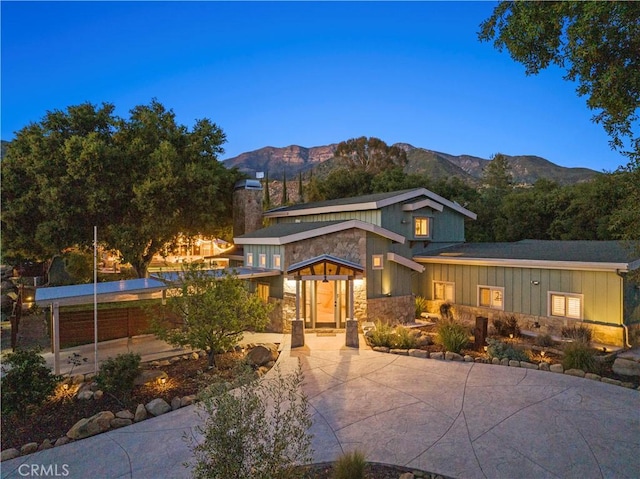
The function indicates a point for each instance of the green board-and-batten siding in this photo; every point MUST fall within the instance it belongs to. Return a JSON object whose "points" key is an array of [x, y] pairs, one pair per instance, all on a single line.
{"points": [[602, 291]]}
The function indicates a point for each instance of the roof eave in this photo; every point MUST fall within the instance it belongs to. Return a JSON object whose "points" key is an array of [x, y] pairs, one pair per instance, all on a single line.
{"points": [[528, 263]]}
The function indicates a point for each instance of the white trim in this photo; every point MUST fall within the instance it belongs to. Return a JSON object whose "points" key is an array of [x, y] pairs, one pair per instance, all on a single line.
{"points": [[262, 260], [276, 258], [321, 277], [420, 218], [313, 233], [372, 205], [396, 258], [526, 263], [422, 204], [249, 260]]}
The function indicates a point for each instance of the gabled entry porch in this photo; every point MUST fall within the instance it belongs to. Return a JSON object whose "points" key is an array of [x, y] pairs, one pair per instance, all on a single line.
{"points": [[324, 294]]}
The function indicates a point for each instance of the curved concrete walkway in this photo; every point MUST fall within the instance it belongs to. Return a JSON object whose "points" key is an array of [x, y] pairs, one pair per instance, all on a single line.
{"points": [[463, 420]]}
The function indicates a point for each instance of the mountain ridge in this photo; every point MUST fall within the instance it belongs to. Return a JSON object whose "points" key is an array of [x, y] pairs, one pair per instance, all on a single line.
{"points": [[293, 159]]}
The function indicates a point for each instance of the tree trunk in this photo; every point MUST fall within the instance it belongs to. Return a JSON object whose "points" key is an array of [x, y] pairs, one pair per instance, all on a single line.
{"points": [[211, 358]]}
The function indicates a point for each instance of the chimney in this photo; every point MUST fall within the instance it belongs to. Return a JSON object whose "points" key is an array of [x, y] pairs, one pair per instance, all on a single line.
{"points": [[247, 207]]}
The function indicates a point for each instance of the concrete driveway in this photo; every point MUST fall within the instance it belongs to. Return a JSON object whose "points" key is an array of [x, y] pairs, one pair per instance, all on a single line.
{"points": [[463, 420]]}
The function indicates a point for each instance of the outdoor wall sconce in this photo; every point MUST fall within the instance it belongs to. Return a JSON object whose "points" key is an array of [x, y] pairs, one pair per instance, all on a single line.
{"points": [[535, 283]]}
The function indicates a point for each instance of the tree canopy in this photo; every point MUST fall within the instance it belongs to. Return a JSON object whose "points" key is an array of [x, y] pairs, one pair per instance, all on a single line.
{"points": [[370, 155], [140, 180], [214, 312], [598, 45]]}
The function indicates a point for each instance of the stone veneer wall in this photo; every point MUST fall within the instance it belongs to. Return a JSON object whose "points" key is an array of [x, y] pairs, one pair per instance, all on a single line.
{"points": [[604, 334], [393, 309], [350, 245]]}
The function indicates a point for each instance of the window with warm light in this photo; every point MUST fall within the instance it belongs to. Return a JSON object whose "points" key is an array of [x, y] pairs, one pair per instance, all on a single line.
{"points": [[443, 291], [262, 260], [249, 259], [262, 290], [276, 261], [377, 261], [565, 305], [491, 297], [421, 227]]}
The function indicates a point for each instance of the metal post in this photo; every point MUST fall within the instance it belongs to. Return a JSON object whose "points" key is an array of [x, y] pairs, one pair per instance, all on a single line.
{"points": [[95, 299], [55, 315]]}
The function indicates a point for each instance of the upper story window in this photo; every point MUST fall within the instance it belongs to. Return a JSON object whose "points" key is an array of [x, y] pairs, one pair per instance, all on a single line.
{"points": [[565, 305], [262, 260], [491, 297], [277, 262], [422, 227], [249, 259], [377, 261]]}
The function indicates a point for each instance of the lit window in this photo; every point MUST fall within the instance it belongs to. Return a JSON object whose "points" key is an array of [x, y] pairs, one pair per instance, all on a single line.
{"points": [[377, 261], [276, 261], [249, 259], [565, 305], [262, 291], [443, 291], [421, 227], [262, 260], [491, 297]]}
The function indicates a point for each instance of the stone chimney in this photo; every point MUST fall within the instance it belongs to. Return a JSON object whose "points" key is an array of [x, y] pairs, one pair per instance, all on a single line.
{"points": [[247, 207]]}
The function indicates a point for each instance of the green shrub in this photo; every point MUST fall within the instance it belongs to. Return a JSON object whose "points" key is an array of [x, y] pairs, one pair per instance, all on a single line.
{"points": [[403, 338], [453, 336], [350, 466], [421, 306], [578, 355], [500, 350], [579, 333], [117, 374], [258, 430], [544, 340], [506, 326], [387, 336], [26, 382], [382, 335]]}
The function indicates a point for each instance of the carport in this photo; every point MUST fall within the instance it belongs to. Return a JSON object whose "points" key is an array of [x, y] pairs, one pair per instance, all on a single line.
{"points": [[108, 292]]}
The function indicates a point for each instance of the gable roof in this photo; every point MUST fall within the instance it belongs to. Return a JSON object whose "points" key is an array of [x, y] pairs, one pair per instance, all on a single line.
{"points": [[363, 203], [285, 233], [590, 255]]}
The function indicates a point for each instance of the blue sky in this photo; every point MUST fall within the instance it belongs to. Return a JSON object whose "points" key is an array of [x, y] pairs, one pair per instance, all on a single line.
{"points": [[289, 73]]}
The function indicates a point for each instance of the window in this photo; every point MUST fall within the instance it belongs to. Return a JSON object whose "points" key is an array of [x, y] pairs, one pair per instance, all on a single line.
{"points": [[421, 227], [262, 291], [565, 305], [262, 260], [443, 291], [377, 261], [491, 297], [276, 261], [249, 259]]}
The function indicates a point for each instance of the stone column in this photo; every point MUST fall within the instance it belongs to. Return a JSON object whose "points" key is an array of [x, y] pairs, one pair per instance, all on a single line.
{"points": [[352, 339], [297, 333]]}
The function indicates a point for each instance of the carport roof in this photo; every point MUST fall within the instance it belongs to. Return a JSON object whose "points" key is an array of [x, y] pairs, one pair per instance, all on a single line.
{"points": [[111, 291]]}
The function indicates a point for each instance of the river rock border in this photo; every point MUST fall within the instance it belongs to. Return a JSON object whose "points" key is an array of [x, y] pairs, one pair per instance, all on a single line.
{"points": [[543, 366], [87, 389]]}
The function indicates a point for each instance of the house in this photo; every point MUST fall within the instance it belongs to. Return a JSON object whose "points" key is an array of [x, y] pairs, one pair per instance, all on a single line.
{"points": [[368, 257], [546, 285]]}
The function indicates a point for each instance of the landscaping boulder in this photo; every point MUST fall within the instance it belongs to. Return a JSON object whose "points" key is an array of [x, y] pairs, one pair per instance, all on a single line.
{"points": [[626, 367], [187, 400], [29, 448], [141, 413], [9, 454], [157, 407], [149, 376], [125, 414], [175, 403], [96, 424], [262, 354], [120, 422]]}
